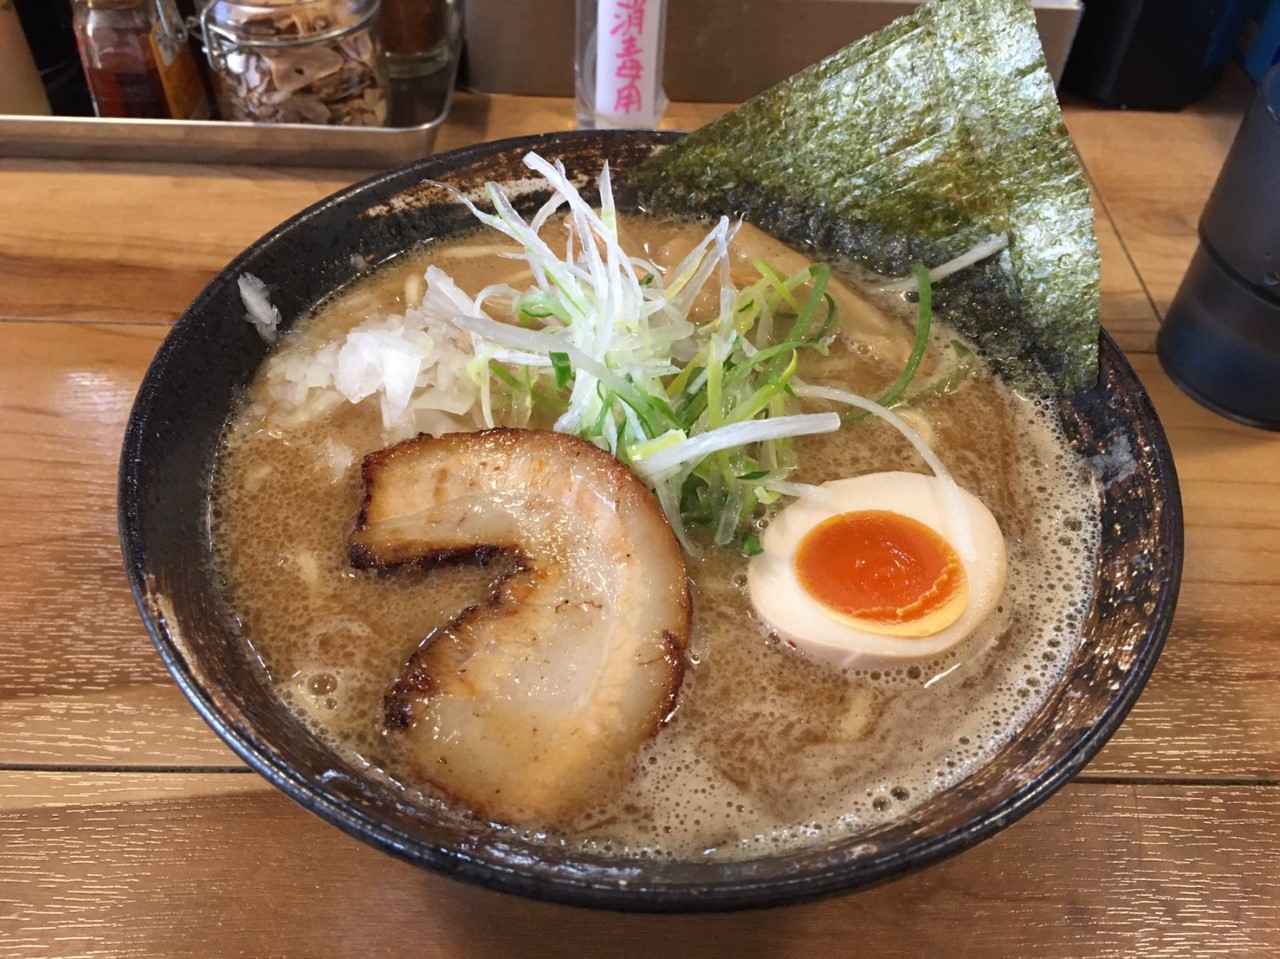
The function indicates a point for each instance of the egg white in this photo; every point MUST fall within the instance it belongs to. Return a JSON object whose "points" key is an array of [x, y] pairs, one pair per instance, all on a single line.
{"points": [[801, 620]]}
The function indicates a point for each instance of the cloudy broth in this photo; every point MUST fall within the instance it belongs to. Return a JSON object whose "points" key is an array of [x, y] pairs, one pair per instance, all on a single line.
{"points": [[767, 748]]}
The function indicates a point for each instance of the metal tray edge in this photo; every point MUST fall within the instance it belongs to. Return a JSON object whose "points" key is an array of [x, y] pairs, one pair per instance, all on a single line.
{"points": [[216, 141]]}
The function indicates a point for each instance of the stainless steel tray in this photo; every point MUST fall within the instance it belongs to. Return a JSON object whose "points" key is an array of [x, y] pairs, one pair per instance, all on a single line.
{"points": [[418, 105]]}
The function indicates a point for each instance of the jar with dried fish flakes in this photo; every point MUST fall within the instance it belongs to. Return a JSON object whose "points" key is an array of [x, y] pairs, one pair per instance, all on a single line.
{"points": [[296, 61]]}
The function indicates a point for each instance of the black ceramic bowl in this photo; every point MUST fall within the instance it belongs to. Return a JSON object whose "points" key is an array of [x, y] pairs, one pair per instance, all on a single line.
{"points": [[167, 460]]}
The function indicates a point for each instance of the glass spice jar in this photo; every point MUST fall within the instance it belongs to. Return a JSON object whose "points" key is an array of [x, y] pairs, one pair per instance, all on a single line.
{"points": [[136, 60], [296, 61]]}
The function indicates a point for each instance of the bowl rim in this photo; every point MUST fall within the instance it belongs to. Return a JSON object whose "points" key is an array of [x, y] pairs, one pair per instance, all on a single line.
{"points": [[617, 893]]}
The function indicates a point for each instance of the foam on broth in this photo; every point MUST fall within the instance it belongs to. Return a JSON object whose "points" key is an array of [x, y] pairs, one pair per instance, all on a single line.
{"points": [[768, 749]]}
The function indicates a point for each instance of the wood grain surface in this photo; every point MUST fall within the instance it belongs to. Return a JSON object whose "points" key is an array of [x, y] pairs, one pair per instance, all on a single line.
{"points": [[128, 829], [187, 864]]}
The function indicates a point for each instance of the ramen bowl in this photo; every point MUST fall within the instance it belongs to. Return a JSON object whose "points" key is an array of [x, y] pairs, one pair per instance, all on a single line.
{"points": [[173, 438]]}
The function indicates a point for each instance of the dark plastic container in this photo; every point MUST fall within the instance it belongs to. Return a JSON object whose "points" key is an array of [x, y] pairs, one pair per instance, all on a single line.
{"points": [[1152, 54], [1221, 339]]}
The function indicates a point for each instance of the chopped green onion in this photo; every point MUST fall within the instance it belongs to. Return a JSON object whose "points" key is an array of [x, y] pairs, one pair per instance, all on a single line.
{"points": [[924, 322], [563, 370], [924, 319]]}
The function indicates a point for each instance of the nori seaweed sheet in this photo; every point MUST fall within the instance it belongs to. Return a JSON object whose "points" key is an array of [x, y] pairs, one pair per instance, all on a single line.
{"points": [[911, 145]]}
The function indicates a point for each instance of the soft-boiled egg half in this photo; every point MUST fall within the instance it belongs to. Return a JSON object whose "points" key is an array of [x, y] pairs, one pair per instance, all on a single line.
{"points": [[885, 566]]}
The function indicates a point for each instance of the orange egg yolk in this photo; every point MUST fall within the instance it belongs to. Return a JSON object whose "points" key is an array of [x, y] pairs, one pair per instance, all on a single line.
{"points": [[883, 572]]}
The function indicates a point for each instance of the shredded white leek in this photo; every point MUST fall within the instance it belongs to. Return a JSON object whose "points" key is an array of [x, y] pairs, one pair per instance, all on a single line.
{"points": [[976, 254], [660, 464]]}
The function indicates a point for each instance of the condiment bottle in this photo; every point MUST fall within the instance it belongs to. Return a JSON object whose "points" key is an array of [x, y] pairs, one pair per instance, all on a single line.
{"points": [[296, 61], [618, 63], [137, 61], [420, 37]]}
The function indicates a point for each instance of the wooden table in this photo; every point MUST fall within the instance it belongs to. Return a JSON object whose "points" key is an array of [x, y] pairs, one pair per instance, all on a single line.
{"points": [[128, 829]]}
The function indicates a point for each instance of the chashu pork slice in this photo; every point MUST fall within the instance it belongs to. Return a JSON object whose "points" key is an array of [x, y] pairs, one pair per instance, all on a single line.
{"points": [[533, 707]]}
